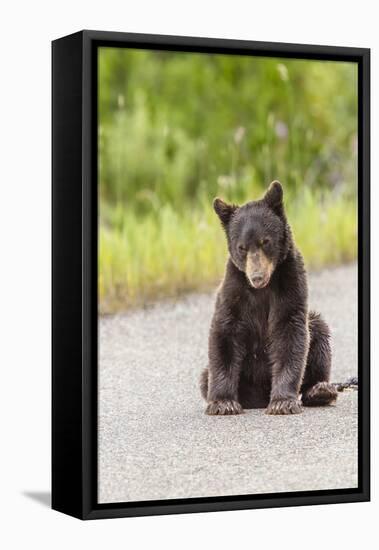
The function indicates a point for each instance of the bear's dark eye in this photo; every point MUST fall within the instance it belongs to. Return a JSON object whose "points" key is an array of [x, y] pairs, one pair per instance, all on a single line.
{"points": [[242, 248], [265, 241]]}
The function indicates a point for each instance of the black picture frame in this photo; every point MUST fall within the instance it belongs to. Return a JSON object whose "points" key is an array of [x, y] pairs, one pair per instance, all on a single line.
{"points": [[74, 273]]}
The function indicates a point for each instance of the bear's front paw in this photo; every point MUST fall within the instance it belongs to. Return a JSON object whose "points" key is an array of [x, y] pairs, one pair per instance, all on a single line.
{"points": [[223, 407], [284, 406]]}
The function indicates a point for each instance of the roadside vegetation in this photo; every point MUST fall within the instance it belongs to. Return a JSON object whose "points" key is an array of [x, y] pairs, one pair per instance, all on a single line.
{"points": [[176, 130]]}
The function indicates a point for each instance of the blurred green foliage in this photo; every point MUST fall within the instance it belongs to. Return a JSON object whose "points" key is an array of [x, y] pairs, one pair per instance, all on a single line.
{"points": [[177, 129]]}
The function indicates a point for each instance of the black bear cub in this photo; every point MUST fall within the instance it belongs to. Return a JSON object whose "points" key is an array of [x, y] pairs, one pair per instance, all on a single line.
{"points": [[265, 348]]}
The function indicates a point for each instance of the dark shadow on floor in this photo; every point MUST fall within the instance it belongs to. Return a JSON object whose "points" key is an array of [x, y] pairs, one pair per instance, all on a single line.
{"points": [[42, 497]]}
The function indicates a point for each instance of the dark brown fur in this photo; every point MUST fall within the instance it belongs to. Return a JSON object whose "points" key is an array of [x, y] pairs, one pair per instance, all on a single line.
{"points": [[265, 347]]}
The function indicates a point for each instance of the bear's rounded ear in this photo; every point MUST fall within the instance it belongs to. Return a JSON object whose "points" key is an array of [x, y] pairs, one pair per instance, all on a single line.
{"points": [[274, 196], [224, 210]]}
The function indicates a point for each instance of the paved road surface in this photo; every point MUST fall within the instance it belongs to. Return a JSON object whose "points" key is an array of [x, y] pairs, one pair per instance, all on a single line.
{"points": [[155, 442]]}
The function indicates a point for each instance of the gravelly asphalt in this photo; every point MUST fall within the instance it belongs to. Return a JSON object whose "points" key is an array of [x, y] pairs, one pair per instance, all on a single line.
{"points": [[155, 442]]}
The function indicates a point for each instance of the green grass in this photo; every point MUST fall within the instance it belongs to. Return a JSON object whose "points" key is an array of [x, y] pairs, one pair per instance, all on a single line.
{"points": [[175, 126], [167, 253]]}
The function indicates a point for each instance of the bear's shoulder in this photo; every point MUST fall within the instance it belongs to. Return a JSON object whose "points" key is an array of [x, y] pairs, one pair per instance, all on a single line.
{"points": [[291, 282]]}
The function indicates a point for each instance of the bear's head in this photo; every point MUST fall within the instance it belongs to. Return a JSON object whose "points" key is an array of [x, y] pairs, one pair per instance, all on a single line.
{"points": [[257, 233]]}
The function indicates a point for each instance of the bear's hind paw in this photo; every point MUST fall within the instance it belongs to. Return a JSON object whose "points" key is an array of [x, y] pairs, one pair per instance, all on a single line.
{"points": [[321, 394]]}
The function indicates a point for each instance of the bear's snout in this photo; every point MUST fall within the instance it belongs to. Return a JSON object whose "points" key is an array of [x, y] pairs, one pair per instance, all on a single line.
{"points": [[257, 279], [258, 269]]}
